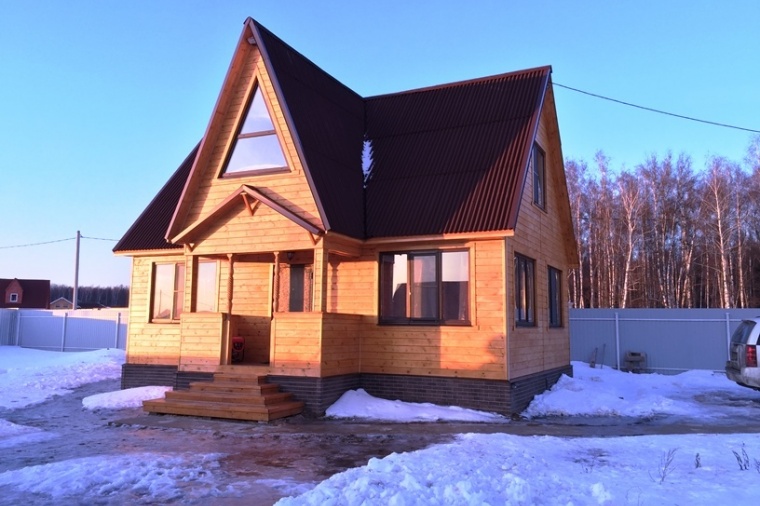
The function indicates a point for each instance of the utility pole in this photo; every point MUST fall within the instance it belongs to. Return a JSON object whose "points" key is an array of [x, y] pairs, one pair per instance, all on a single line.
{"points": [[76, 274]]}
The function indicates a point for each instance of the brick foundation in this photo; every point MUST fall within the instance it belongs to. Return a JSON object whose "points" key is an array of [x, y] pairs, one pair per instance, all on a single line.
{"points": [[505, 397]]}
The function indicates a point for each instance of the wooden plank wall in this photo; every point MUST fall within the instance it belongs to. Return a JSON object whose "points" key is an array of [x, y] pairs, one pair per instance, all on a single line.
{"points": [[201, 341], [541, 235], [341, 344], [296, 344], [149, 343], [473, 351]]}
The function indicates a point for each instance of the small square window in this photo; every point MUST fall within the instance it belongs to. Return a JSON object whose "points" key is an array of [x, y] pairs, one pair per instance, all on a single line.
{"points": [[13, 297]]}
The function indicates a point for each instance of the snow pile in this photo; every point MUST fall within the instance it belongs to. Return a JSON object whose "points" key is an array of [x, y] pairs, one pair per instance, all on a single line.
{"points": [[32, 376], [12, 434], [505, 469], [359, 404], [133, 477], [605, 392], [123, 399]]}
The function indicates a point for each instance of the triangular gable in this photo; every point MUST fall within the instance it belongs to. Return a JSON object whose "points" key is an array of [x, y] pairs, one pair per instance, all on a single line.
{"points": [[249, 197], [250, 73]]}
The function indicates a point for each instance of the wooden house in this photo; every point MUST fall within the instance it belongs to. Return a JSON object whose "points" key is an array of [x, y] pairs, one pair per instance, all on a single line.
{"points": [[25, 293], [414, 244]]}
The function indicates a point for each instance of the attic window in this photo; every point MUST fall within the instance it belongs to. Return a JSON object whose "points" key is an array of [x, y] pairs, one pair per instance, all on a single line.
{"points": [[13, 297], [538, 165], [256, 147]]}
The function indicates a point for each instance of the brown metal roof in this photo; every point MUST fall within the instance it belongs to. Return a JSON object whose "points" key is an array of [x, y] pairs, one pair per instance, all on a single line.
{"points": [[147, 232], [327, 121], [452, 158]]}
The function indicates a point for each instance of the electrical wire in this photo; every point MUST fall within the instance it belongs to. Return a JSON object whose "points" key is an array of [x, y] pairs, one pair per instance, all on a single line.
{"points": [[658, 111], [99, 239], [37, 243]]}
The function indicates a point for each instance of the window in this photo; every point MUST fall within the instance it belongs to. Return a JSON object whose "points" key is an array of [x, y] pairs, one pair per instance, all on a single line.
{"points": [[256, 147], [13, 297], [168, 291], [425, 287], [538, 163], [524, 291], [205, 286], [555, 297]]}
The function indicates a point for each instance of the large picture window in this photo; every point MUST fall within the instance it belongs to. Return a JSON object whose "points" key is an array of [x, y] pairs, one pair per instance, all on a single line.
{"points": [[425, 287], [555, 297], [525, 296], [538, 164], [168, 291], [256, 147]]}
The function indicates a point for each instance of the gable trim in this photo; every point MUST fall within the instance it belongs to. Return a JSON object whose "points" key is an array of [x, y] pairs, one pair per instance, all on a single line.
{"points": [[246, 192]]}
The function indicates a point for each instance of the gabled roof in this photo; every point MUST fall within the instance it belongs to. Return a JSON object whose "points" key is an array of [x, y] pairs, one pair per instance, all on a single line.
{"points": [[36, 293], [446, 159], [327, 120], [452, 158]]}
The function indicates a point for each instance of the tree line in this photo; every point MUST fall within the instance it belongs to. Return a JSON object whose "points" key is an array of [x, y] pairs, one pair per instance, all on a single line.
{"points": [[666, 235], [107, 296]]}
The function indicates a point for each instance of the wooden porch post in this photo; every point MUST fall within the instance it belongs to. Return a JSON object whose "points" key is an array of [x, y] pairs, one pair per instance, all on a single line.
{"points": [[276, 283], [227, 337], [320, 278]]}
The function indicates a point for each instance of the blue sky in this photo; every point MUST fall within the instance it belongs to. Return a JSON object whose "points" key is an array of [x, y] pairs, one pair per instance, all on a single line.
{"points": [[101, 101]]}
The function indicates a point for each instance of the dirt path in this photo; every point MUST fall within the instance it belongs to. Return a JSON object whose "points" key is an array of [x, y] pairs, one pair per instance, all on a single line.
{"points": [[295, 450]]}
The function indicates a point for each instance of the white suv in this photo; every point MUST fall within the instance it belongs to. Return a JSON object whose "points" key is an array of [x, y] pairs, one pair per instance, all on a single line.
{"points": [[742, 364]]}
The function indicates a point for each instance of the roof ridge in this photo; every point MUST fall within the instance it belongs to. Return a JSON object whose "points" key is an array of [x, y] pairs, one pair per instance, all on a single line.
{"points": [[544, 69], [259, 26]]}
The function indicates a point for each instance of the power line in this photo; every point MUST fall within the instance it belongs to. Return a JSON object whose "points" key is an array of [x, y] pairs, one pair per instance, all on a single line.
{"points": [[37, 243], [658, 111], [100, 239], [55, 241]]}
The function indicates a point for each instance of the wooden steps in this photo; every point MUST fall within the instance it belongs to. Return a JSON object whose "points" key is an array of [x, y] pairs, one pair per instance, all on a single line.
{"points": [[232, 395]]}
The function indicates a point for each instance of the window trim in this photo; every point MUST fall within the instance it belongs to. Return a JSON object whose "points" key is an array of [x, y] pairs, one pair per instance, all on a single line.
{"points": [[178, 291], [409, 320], [539, 177], [13, 298], [240, 135], [555, 297], [527, 277]]}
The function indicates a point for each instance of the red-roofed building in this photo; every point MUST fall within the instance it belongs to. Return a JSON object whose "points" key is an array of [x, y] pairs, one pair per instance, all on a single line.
{"points": [[414, 244], [25, 293]]}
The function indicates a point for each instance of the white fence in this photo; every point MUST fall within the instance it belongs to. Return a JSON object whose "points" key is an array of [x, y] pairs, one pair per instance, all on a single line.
{"points": [[64, 330], [669, 340]]}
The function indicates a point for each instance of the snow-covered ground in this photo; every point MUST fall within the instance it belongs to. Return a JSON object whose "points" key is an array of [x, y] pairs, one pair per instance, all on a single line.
{"points": [[475, 469]]}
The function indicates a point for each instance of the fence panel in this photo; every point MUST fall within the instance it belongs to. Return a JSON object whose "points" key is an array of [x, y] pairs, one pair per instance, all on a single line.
{"points": [[673, 340], [7, 327], [64, 330]]}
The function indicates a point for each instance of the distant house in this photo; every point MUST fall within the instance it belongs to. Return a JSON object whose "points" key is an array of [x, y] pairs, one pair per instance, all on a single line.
{"points": [[61, 303], [414, 244], [25, 293]]}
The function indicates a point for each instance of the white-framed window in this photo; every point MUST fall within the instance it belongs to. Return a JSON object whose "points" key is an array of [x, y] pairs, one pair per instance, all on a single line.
{"points": [[13, 297], [168, 293]]}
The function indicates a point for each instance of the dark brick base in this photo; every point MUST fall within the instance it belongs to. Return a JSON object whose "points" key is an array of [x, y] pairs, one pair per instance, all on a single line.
{"points": [[505, 397]]}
